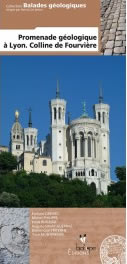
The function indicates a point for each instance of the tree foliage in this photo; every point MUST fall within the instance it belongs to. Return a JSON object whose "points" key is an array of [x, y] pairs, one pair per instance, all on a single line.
{"points": [[9, 200], [40, 190], [121, 173], [8, 162], [117, 191]]}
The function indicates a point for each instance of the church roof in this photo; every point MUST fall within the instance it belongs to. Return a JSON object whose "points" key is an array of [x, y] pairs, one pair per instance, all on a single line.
{"points": [[17, 127], [86, 120]]}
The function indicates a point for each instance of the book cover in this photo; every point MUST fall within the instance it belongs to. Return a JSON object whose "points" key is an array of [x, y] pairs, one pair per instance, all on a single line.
{"points": [[62, 132]]}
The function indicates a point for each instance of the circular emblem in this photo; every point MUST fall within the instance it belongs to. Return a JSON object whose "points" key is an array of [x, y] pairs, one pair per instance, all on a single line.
{"points": [[113, 250]]}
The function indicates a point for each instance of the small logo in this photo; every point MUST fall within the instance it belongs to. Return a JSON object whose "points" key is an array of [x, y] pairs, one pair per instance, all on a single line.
{"points": [[113, 250], [84, 241], [83, 247]]}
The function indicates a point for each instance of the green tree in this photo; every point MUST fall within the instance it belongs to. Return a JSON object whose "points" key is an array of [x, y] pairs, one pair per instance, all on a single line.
{"points": [[39, 190], [9, 200], [8, 162], [121, 173], [117, 191]]}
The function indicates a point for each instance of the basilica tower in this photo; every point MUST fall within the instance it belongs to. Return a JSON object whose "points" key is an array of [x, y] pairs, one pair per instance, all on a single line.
{"points": [[30, 136], [101, 111], [58, 133], [16, 137]]}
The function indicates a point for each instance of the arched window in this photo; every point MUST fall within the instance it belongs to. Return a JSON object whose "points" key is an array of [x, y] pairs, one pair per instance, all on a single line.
{"points": [[78, 173], [75, 148], [59, 112], [99, 116], [18, 137], [89, 146], [103, 115], [81, 173], [89, 173], [92, 172], [81, 144], [93, 186], [84, 173], [94, 148], [55, 113], [27, 140], [31, 140]]}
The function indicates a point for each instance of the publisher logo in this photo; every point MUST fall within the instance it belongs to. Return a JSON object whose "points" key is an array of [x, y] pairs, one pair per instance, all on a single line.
{"points": [[82, 247]]}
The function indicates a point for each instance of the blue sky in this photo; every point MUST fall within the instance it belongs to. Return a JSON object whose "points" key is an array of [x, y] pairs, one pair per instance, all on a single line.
{"points": [[30, 81]]}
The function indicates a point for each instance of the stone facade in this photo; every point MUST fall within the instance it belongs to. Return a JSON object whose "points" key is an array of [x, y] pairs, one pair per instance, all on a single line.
{"points": [[32, 162], [3, 149], [79, 149]]}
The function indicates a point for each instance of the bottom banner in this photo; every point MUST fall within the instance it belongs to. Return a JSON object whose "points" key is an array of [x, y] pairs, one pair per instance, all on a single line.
{"points": [[74, 236], [61, 235]]}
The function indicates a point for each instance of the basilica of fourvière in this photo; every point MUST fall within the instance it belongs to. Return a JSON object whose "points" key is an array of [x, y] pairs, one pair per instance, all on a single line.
{"points": [[77, 150]]}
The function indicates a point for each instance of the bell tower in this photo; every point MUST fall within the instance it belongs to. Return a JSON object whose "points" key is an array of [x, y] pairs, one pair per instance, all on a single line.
{"points": [[30, 135], [58, 133], [17, 137], [101, 111]]}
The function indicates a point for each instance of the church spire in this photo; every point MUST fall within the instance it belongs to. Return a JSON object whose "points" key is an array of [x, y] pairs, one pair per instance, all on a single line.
{"points": [[30, 118], [57, 90], [84, 115], [100, 95]]}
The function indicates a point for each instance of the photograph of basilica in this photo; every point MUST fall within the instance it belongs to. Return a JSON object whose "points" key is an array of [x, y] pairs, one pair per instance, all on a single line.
{"points": [[79, 149], [63, 142]]}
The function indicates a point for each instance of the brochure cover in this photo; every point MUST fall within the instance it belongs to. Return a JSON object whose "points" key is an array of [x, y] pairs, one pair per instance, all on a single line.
{"points": [[62, 132]]}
